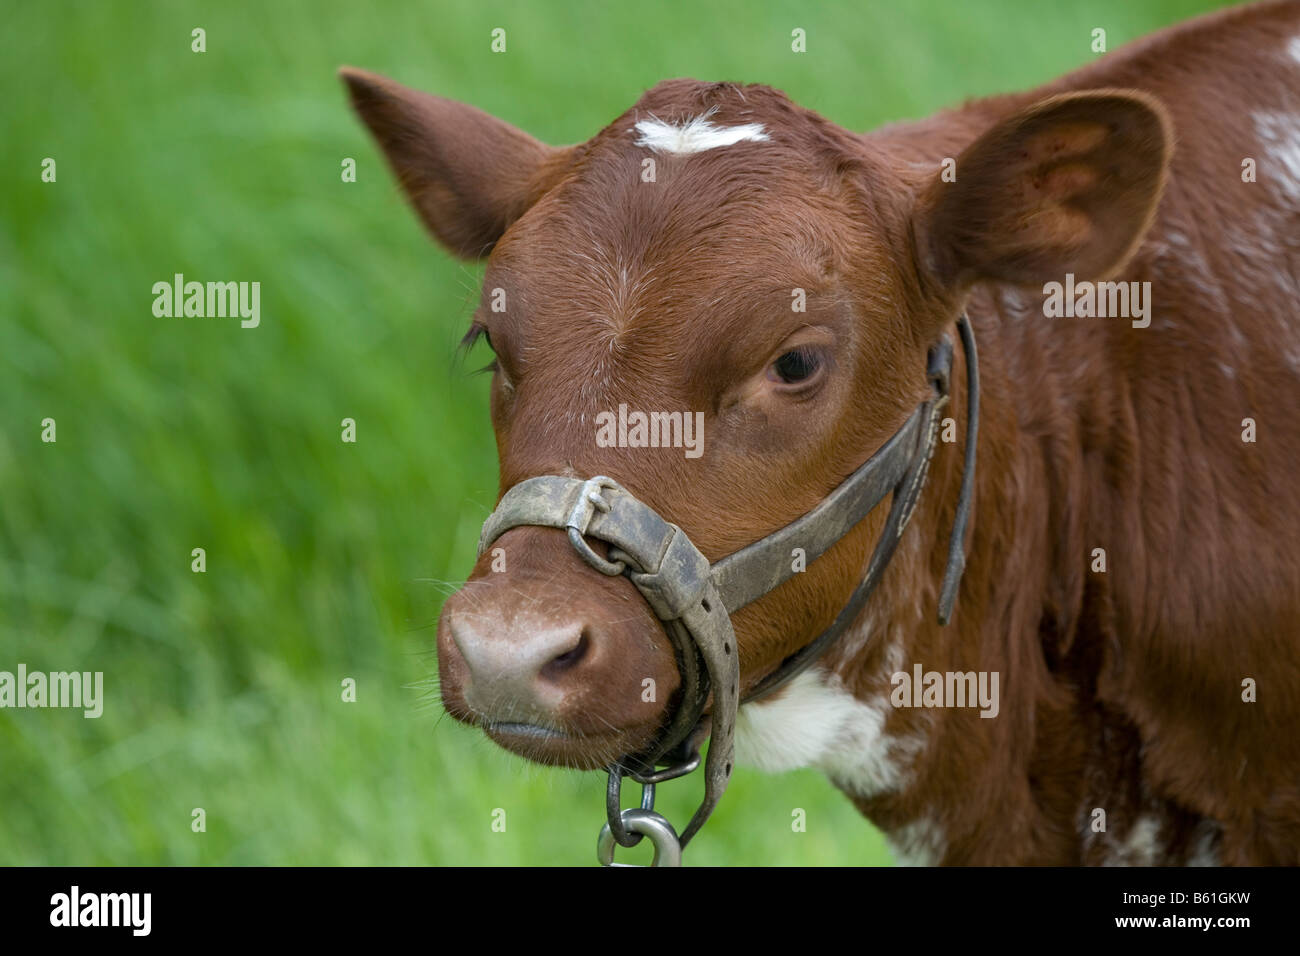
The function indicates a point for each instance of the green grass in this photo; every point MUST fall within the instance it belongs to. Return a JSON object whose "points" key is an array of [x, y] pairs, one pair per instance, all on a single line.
{"points": [[223, 688]]}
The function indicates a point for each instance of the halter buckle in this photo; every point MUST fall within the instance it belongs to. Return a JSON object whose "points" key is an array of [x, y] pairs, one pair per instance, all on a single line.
{"points": [[590, 500]]}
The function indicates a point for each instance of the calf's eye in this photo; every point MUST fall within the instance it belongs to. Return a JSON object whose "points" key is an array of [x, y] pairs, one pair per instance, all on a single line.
{"points": [[797, 365]]}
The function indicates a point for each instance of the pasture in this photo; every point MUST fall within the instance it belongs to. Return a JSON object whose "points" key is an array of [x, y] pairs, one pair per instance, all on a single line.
{"points": [[327, 560]]}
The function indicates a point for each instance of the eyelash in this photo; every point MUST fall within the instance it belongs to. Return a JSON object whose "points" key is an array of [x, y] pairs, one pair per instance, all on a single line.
{"points": [[476, 332], [810, 359]]}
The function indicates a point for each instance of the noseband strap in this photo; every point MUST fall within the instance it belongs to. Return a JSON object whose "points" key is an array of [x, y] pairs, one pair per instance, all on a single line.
{"points": [[674, 578], [694, 599]]}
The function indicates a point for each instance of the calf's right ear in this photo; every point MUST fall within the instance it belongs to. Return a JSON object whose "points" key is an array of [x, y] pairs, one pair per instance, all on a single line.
{"points": [[468, 175], [1069, 184]]}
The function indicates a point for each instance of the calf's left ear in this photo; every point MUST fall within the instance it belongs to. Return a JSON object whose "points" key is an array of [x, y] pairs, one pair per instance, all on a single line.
{"points": [[1069, 184]]}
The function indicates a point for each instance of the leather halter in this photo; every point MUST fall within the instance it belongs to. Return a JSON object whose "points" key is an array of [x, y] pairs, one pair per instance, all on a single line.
{"points": [[694, 599]]}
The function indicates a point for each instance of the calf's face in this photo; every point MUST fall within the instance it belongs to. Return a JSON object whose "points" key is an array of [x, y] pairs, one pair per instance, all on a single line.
{"points": [[719, 255]]}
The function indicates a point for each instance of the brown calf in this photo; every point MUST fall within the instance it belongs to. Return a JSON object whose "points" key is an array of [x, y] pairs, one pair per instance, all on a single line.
{"points": [[1133, 579]]}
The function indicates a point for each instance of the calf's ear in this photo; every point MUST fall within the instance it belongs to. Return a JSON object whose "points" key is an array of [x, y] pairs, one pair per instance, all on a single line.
{"points": [[468, 175], [1069, 184]]}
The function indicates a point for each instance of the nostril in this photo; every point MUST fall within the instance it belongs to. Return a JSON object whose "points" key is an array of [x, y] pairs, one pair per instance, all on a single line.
{"points": [[557, 665]]}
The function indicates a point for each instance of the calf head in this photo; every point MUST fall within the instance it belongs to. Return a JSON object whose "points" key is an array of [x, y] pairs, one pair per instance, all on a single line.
{"points": [[721, 253]]}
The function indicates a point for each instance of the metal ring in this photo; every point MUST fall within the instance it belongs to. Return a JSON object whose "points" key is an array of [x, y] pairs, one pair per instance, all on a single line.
{"points": [[668, 773], [668, 850], [613, 807]]}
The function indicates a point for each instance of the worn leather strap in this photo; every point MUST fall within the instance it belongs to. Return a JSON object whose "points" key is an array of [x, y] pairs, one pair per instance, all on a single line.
{"points": [[762, 567], [865, 489], [966, 498]]}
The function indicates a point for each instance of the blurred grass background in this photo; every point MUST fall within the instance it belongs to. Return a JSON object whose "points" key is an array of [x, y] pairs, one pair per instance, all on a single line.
{"points": [[223, 688]]}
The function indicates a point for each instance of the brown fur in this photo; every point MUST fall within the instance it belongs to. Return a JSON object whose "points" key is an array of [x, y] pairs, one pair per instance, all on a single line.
{"points": [[1121, 690]]}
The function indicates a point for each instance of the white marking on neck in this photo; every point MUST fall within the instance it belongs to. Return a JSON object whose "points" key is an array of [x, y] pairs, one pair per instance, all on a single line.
{"points": [[919, 843], [1205, 845], [817, 723], [695, 135], [1141, 846], [1279, 132]]}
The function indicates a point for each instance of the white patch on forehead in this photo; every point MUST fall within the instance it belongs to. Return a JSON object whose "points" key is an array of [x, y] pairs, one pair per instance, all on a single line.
{"points": [[695, 135], [1280, 135], [1293, 48], [817, 723]]}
